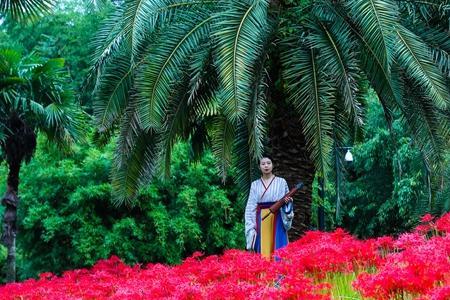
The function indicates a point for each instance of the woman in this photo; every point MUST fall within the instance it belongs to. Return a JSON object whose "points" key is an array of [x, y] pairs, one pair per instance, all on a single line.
{"points": [[266, 236]]}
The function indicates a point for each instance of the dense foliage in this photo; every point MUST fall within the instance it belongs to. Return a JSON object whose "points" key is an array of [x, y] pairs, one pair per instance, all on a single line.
{"points": [[65, 33], [34, 97], [386, 184], [172, 69], [211, 72], [67, 220], [318, 266]]}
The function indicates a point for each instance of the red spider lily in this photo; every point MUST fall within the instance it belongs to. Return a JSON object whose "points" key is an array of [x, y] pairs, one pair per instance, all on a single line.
{"points": [[439, 293], [426, 218], [415, 263], [421, 266], [443, 223]]}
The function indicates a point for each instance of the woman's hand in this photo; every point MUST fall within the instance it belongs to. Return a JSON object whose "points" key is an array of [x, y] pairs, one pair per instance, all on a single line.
{"points": [[288, 199]]}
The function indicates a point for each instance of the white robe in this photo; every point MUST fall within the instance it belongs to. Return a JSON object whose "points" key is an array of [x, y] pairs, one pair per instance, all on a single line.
{"points": [[277, 189]]}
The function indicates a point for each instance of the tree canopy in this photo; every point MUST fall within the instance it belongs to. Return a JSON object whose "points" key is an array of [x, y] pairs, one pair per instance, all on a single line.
{"points": [[198, 70]]}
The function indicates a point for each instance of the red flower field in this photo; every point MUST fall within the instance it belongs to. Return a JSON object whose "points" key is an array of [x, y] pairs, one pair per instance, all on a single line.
{"points": [[320, 265]]}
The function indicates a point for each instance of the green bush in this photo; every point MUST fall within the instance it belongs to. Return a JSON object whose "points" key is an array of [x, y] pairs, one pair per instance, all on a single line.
{"points": [[385, 188], [66, 219]]}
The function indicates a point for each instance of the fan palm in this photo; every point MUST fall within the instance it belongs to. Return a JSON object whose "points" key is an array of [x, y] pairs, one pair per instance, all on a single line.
{"points": [[33, 97], [218, 71]]}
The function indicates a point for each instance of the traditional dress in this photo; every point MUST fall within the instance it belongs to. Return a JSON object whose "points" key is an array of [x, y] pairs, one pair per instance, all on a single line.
{"points": [[266, 236]]}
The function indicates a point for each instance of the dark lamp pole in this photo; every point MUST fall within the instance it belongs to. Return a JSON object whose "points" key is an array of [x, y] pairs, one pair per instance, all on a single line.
{"points": [[348, 157]]}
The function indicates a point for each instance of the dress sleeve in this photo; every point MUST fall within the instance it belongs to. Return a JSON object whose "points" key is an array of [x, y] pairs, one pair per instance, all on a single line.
{"points": [[287, 211], [250, 216]]}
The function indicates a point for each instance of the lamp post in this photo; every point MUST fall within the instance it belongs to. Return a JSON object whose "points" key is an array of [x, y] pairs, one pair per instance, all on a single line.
{"points": [[321, 210], [348, 157]]}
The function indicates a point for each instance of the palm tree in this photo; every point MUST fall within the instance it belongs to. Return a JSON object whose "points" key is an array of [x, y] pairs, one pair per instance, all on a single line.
{"points": [[247, 75], [33, 98], [25, 9]]}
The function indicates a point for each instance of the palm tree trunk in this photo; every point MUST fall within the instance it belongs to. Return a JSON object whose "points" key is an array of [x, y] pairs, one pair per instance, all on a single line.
{"points": [[288, 147], [11, 202]]}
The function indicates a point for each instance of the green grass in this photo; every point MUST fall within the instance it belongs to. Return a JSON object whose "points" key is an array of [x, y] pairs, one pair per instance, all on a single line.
{"points": [[341, 285]]}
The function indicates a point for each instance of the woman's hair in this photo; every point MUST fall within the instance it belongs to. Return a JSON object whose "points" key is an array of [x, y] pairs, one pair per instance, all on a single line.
{"points": [[266, 156]]}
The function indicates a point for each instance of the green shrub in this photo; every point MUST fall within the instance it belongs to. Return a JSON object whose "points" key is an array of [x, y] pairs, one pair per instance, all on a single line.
{"points": [[66, 219]]}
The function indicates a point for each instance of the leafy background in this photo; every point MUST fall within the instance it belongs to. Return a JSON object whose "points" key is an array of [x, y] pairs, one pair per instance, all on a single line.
{"points": [[66, 216]]}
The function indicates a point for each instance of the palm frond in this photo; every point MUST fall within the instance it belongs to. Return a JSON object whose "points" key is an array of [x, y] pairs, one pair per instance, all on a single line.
{"points": [[203, 104], [426, 124], [108, 42], [9, 62], [388, 88], [250, 137], [243, 160], [205, 107], [427, 11], [176, 122], [134, 168], [438, 40], [131, 26], [239, 35], [310, 95], [136, 158], [51, 106], [337, 51], [112, 92], [415, 58], [199, 140], [203, 81], [26, 9], [376, 20], [143, 16], [257, 119], [185, 110], [222, 136], [164, 67]]}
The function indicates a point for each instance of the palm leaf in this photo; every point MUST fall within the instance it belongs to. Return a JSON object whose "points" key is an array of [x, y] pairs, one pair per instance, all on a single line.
{"points": [[107, 42], [143, 16], [338, 53], [243, 160], [373, 23], [112, 92], [9, 62], [26, 9], [222, 136], [239, 34], [164, 67], [310, 95], [257, 119], [202, 103], [376, 19], [250, 136], [136, 156], [426, 124], [414, 57], [425, 10], [176, 122], [137, 167], [377, 73], [188, 103], [438, 40]]}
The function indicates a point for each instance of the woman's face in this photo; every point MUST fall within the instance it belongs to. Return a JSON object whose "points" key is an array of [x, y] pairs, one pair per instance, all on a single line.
{"points": [[265, 164]]}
